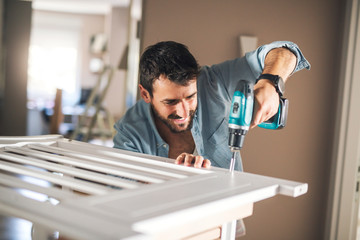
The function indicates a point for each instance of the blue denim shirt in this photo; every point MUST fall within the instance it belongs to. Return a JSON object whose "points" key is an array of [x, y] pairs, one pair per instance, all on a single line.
{"points": [[137, 132]]}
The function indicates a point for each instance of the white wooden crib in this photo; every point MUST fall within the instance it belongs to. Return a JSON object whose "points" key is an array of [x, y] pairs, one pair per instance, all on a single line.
{"points": [[96, 192]]}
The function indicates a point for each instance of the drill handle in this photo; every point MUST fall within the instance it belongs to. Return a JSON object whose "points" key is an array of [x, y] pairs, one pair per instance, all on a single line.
{"points": [[278, 121]]}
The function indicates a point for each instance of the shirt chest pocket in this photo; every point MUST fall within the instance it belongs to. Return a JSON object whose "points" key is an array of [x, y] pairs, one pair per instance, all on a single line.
{"points": [[221, 133]]}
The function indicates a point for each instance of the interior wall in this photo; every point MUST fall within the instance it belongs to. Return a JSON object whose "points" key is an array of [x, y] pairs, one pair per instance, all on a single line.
{"points": [[91, 24], [16, 37], [302, 150], [117, 25]]}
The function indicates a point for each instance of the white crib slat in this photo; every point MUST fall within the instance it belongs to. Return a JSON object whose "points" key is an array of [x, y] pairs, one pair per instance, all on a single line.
{"points": [[6, 140], [139, 158], [79, 185], [101, 178], [76, 162], [15, 182], [109, 161]]}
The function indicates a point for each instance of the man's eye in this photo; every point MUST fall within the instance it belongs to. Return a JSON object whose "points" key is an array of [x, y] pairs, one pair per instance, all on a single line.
{"points": [[174, 102], [191, 96]]}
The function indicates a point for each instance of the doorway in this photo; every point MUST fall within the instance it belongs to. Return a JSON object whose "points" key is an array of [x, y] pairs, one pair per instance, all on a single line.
{"points": [[54, 63], [343, 207], [61, 57]]}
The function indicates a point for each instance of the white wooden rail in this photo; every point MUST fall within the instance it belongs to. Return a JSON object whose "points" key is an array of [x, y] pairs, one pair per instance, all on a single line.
{"points": [[105, 193]]}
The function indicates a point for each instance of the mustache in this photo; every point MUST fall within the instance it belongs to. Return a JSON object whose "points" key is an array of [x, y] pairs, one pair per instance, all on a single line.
{"points": [[175, 116]]}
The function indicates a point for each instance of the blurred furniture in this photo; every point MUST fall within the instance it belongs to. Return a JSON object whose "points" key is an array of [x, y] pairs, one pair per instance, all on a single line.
{"points": [[57, 116], [97, 192], [96, 120]]}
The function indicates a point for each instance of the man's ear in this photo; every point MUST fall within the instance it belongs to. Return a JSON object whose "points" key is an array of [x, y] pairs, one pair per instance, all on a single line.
{"points": [[144, 94]]}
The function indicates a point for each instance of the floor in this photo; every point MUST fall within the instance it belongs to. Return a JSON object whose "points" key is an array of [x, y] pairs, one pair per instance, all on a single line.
{"points": [[14, 229]]}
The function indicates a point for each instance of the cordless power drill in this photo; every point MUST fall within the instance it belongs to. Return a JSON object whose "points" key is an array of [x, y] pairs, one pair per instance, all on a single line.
{"points": [[241, 114]]}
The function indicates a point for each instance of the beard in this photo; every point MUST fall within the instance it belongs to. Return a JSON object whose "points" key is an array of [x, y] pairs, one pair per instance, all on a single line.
{"points": [[175, 128]]}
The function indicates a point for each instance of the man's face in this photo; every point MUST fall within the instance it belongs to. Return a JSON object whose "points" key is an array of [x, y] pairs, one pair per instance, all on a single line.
{"points": [[174, 104]]}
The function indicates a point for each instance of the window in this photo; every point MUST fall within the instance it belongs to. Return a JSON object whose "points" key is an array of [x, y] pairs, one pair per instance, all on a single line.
{"points": [[53, 61]]}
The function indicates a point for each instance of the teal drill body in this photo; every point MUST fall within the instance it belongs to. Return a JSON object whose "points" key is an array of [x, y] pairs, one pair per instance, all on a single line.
{"points": [[241, 113]]}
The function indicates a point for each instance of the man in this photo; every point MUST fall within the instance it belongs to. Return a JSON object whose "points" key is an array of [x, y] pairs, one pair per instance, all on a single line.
{"points": [[184, 109]]}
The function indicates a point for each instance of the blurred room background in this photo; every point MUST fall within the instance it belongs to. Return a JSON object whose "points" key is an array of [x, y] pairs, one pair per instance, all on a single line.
{"points": [[55, 54]]}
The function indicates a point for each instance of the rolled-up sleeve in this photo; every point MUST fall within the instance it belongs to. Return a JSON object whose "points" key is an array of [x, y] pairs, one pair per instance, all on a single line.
{"points": [[256, 59]]}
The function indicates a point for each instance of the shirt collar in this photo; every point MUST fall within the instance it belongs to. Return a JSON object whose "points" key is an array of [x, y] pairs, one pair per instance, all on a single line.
{"points": [[151, 120]]}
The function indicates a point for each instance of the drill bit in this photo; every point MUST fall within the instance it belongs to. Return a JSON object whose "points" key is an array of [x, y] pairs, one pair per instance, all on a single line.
{"points": [[233, 160]]}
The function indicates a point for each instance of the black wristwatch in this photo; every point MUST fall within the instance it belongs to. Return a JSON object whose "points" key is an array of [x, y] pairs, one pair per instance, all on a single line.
{"points": [[276, 80]]}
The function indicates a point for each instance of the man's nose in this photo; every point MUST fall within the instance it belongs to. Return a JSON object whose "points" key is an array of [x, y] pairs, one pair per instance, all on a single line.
{"points": [[182, 109]]}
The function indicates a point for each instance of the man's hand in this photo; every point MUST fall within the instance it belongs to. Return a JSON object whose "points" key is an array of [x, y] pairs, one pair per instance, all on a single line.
{"points": [[266, 102], [189, 159], [279, 61]]}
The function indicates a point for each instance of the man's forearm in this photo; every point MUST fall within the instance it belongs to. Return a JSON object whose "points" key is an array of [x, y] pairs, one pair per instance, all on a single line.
{"points": [[280, 61]]}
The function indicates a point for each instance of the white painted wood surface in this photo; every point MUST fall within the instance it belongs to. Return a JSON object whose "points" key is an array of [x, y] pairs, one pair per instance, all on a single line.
{"points": [[105, 193]]}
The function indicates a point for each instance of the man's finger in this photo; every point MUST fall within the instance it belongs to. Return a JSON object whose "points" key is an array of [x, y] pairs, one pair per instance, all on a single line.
{"points": [[262, 114], [198, 161], [188, 159], [206, 163], [180, 158], [257, 117]]}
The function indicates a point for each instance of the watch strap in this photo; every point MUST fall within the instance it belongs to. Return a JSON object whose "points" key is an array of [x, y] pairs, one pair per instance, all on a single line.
{"points": [[271, 77], [274, 79]]}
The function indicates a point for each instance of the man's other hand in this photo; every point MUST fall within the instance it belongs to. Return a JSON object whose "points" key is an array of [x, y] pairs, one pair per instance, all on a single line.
{"points": [[189, 159], [267, 102]]}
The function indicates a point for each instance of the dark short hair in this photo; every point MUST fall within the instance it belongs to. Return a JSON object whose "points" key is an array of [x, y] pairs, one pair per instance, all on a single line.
{"points": [[169, 58]]}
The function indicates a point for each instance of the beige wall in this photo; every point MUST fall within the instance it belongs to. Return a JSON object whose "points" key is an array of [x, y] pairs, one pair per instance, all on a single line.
{"points": [[91, 24], [117, 28], [301, 151]]}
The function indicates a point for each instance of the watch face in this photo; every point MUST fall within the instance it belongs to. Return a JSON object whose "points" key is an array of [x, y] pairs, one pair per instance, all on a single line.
{"points": [[281, 85], [276, 80]]}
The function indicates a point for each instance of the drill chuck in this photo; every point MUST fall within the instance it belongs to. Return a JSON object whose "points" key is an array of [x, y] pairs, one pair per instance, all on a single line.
{"points": [[236, 138]]}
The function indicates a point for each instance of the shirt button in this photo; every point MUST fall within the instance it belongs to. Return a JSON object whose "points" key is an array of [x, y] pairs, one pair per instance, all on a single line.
{"points": [[164, 145]]}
